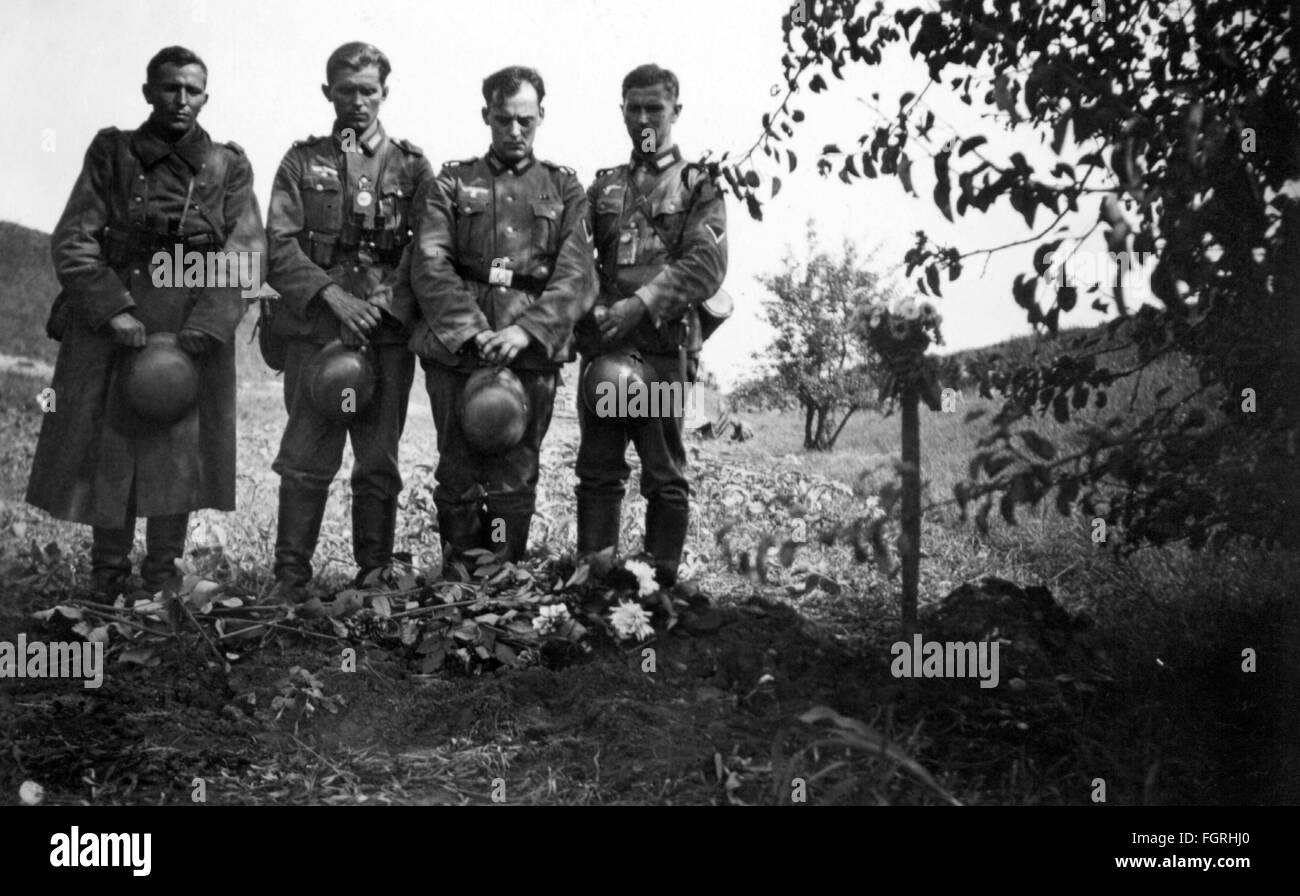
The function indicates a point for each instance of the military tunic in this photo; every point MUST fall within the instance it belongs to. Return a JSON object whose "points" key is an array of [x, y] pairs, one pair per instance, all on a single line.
{"points": [[497, 245], [341, 213], [94, 461], [659, 226]]}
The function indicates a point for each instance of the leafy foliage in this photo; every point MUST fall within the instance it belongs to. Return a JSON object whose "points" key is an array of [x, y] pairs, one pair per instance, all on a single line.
{"points": [[1184, 121]]}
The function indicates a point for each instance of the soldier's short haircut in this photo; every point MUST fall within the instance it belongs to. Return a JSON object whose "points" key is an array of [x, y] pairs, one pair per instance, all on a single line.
{"points": [[500, 86], [177, 56], [355, 56], [651, 75]]}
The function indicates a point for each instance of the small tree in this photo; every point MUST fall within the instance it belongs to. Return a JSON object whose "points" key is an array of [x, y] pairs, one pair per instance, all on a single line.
{"points": [[816, 355], [1183, 117]]}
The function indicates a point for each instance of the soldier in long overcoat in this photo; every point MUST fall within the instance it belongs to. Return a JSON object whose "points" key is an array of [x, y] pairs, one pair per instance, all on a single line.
{"points": [[140, 195]]}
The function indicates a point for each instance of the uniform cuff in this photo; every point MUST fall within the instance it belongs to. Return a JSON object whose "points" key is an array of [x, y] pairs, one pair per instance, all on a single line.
{"points": [[536, 333], [456, 339], [647, 298], [314, 283], [125, 304]]}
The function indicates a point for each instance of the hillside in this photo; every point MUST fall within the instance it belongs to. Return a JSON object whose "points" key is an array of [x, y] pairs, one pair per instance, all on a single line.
{"points": [[27, 288]]}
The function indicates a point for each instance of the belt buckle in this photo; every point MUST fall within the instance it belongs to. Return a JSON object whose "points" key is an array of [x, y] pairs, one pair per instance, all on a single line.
{"points": [[499, 274]]}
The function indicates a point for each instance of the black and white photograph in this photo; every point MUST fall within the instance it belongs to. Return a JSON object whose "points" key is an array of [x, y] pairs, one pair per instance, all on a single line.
{"points": [[578, 402]]}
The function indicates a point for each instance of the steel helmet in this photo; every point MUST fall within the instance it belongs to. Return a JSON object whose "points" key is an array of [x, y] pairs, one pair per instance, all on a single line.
{"points": [[161, 384], [606, 377], [341, 381], [493, 410]]}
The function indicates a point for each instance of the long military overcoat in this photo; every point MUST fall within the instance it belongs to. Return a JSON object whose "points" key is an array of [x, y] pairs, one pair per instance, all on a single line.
{"points": [[134, 195]]}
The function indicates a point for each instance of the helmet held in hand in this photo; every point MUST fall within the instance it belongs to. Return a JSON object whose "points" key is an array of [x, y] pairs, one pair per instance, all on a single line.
{"points": [[161, 384], [493, 410], [341, 382], [610, 376]]}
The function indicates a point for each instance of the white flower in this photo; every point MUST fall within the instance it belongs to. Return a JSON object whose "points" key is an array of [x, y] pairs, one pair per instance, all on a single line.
{"points": [[631, 620], [550, 618], [907, 308], [208, 536], [873, 507], [645, 577], [31, 793]]}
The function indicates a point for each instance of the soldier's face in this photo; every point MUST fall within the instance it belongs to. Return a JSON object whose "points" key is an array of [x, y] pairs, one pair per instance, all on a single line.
{"points": [[649, 113], [514, 122], [177, 94], [357, 95]]}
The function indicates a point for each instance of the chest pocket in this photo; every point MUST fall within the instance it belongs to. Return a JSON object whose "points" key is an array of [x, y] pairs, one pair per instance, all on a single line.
{"points": [[322, 202], [395, 206], [609, 210], [669, 214], [546, 225], [471, 224]]}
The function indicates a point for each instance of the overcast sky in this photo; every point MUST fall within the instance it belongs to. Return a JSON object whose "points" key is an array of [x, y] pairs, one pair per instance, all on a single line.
{"points": [[75, 66]]}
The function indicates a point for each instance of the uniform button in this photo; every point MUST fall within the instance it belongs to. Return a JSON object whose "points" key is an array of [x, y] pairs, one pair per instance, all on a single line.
{"points": [[319, 188], [543, 272], [510, 230], [510, 199], [139, 177], [136, 271], [501, 289]]}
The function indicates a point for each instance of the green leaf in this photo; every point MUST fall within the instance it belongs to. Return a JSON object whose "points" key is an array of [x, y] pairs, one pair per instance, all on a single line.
{"points": [[932, 279], [905, 173], [1007, 507], [1038, 444]]}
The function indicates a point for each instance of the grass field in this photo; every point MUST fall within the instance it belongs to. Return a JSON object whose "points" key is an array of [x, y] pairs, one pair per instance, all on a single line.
{"points": [[1151, 696]]}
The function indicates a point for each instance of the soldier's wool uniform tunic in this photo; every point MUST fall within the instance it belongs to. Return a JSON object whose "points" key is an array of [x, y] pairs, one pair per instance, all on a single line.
{"points": [[96, 463], [341, 213], [659, 226], [496, 245]]}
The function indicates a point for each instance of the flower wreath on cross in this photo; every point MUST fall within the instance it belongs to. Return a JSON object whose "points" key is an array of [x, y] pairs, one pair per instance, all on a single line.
{"points": [[899, 335]]}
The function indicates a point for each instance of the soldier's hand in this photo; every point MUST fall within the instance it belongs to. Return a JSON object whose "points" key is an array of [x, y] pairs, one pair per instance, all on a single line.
{"points": [[621, 319], [505, 345], [194, 343], [481, 338], [354, 314], [382, 298], [351, 338], [127, 330]]}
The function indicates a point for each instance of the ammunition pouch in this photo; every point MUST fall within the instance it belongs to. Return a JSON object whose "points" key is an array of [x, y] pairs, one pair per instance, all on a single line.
{"points": [[122, 248], [353, 243]]}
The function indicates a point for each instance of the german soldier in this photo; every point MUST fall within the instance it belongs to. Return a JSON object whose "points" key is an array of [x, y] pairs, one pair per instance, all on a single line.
{"points": [[339, 217], [659, 225], [164, 188], [502, 268]]}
